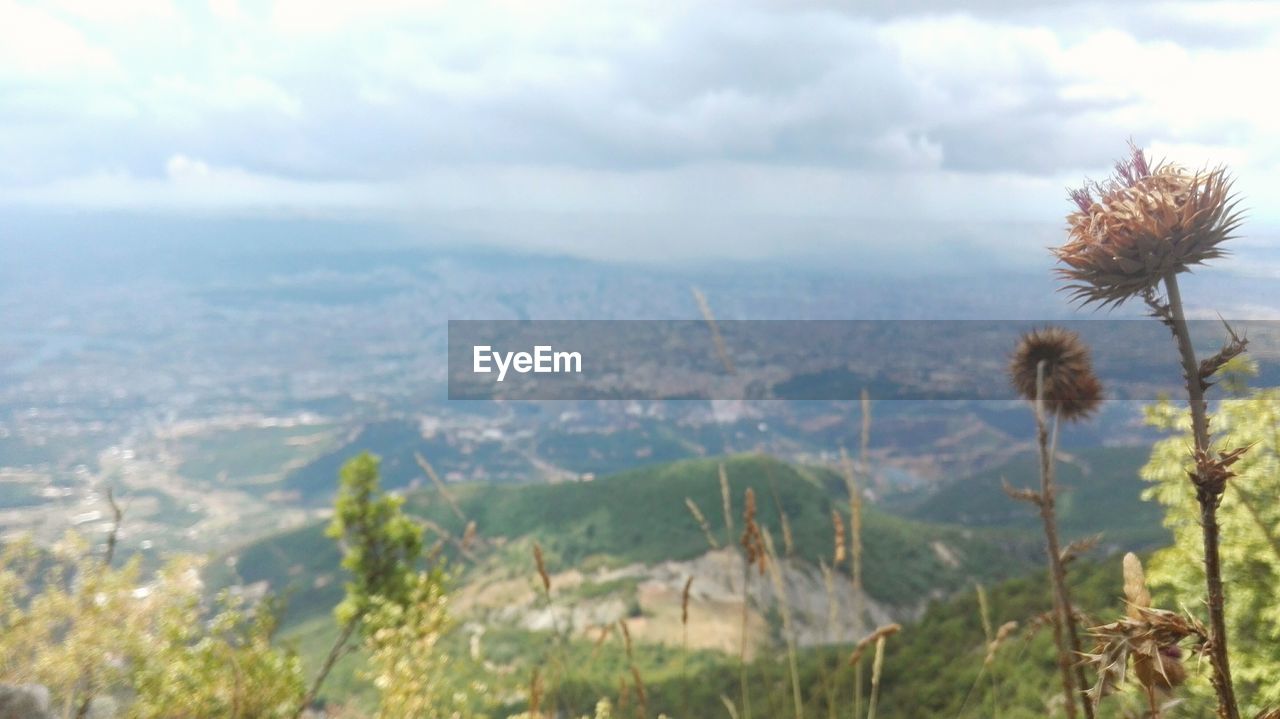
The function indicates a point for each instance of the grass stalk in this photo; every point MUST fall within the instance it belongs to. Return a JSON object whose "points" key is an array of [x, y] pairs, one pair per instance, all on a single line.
{"points": [[855, 533], [788, 627], [877, 668], [984, 613]]}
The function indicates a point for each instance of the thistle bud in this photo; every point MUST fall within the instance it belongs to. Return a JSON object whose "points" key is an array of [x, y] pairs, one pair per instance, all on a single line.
{"points": [[1070, 387]]}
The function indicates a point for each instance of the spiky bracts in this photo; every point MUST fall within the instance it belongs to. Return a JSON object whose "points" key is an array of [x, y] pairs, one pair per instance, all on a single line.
{"points": [[1143, 223], [1148, 638], [1151, 641], [1071, 389]]}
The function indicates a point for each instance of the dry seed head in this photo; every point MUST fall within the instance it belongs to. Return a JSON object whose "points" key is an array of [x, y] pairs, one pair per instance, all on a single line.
{"points": [[542, 568], [837, 522], [871, 639], [1143, 223], [701, 519], [1150, 638], [1002, 635], [684, 601], [752, 540], [1135, 586], [1071, 389], [726, 499]]}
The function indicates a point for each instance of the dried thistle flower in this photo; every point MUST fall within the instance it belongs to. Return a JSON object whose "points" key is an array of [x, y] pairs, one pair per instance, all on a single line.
{"points": [[1148, 636], [1143, 223], [1071, 389], [1151, 640]]}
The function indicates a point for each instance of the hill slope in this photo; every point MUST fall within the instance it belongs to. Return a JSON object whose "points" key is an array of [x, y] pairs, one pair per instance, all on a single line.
{"points": [[1099, 491], [641, 517]]}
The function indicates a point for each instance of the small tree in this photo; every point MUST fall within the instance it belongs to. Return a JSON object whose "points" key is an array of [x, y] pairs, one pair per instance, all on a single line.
{"points": [[381, 550], [1251, 559]]}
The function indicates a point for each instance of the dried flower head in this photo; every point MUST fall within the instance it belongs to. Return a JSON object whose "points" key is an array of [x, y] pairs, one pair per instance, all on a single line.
{"points": [[1143, 223], [1070, 387], [1149, 637]]}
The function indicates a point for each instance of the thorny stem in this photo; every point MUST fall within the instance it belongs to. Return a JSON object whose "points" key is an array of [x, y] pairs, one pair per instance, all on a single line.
{"points": [[1065, 634], [1073, 629], [1209, 498]]}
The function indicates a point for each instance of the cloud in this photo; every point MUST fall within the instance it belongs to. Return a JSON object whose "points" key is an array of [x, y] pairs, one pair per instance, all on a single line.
{"points": [[35, 46], [701, 109], [192, 185]]}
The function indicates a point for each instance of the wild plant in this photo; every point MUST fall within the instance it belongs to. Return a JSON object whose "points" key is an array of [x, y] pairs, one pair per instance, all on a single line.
{"points": [[1052, 369], [1131, 236]]}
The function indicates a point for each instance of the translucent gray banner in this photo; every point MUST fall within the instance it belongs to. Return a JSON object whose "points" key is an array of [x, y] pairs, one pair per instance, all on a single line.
{"points": [[818, 359]]}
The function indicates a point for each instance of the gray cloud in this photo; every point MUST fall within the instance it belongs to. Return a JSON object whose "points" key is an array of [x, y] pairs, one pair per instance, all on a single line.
{"points": [[602, 102]]}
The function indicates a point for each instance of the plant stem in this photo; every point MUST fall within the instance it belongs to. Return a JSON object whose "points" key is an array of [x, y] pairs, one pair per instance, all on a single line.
{"points": [[877, 667], [1209, 498], [334, 653], [742, 647], [1065, 634]]}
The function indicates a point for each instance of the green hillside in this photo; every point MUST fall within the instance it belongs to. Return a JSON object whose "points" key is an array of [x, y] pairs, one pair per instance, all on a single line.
{"points": [[1099, 491], [925, 560], [640, 516], [396, 441], [933, 668]]}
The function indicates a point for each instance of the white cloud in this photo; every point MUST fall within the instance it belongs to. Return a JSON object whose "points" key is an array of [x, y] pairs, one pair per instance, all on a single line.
{"points": [[35, 45], [115, 12], [192, 185], [641, 107]]}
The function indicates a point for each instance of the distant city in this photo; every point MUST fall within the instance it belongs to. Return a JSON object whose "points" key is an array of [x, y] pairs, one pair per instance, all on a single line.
{"points": [[215, 379]]}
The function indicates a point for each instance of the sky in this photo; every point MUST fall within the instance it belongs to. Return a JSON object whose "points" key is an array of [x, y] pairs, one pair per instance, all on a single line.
{"points": [[635, 128]]}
